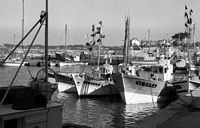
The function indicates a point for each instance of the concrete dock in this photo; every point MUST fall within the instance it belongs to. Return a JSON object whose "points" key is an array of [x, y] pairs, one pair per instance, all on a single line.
{"points": [[183, 113]]}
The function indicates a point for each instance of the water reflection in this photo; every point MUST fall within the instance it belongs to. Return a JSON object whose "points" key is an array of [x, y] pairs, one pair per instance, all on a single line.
{"points": [[102, 112]]}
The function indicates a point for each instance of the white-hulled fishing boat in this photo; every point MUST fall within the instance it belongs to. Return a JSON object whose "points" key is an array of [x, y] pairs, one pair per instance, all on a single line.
{"points": [[95, 84], [28, 107], [88, 85], [65, 82], [141, 83]]}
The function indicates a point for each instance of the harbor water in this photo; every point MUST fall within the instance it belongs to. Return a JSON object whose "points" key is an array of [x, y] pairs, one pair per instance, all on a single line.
{"points": [[95, 112]]}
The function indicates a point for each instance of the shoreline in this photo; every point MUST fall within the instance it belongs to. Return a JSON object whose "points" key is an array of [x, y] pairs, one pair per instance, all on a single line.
{"points": [[178, 114]]}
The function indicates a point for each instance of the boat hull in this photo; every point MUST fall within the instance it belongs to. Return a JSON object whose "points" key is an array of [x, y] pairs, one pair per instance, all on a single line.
{"points": [[12, 64], [65, 82], [94, 87], [134, 90], [68, 88]]}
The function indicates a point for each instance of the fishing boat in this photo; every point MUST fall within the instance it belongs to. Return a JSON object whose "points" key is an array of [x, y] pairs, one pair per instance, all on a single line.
{"points": [[143, 81], [143, 84], [193, 72], [65, 82], [99, 82], [30, 106], [91, 85], [10, 61]]}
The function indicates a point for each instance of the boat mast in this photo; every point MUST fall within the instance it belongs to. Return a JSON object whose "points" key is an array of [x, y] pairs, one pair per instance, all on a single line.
{"points": [[149, 38], [93, 42], [14, 36], [193, 36], [127, 40], [99, 31], [65, 38], [22, 22], [46, 43], [189, 30]]}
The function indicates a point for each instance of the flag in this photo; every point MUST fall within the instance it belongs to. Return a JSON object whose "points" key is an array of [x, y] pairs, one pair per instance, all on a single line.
{"points": [[93, 35], [186, 25], [100, 22], [98, 40], [191, 11], [87, 44], [186, 15], [90, 49], [98, 30], [189, 21], [93, 27]]}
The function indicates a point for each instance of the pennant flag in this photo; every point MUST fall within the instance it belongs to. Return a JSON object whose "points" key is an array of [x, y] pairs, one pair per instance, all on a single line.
{"points": [[93, 35], [186, 15], [186, 25], [90, 49], [100, 22], [189, 21], [87, 44], [98, 30], [191, 11], [99, 40], [93, 27]]}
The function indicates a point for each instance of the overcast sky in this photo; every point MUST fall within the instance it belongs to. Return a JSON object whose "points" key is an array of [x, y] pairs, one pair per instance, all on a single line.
{"points": [[163, 17]]}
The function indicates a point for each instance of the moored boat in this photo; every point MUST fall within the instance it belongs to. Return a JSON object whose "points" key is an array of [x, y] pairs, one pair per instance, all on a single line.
{"points": [[99, 82], [65, 82], [143, 84], [141, 81], [89, 85]]}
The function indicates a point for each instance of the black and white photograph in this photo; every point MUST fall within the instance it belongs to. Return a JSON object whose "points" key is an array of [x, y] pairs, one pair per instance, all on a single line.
{"points": [[99, 64]]}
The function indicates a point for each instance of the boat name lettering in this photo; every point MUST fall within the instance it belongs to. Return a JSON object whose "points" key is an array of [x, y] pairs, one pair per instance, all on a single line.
{"points": [[142, 83]]}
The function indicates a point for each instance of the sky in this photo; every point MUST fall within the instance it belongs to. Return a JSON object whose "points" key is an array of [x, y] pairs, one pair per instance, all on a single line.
{"points": [[163, 17]]}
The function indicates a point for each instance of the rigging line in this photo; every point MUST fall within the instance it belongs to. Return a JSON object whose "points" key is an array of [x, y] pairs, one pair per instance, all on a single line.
{"points": [[30, 73], [21, 40], [23, 60]]}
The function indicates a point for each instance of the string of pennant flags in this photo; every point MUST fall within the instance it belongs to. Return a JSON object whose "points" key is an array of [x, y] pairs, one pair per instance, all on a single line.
{"points": [[188, 19], [95, 32]]}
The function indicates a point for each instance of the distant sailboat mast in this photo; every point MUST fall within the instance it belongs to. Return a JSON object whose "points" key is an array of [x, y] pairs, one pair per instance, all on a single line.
{"points": [[149, 39], [22, 22], [14, 36], [65, 38]]}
